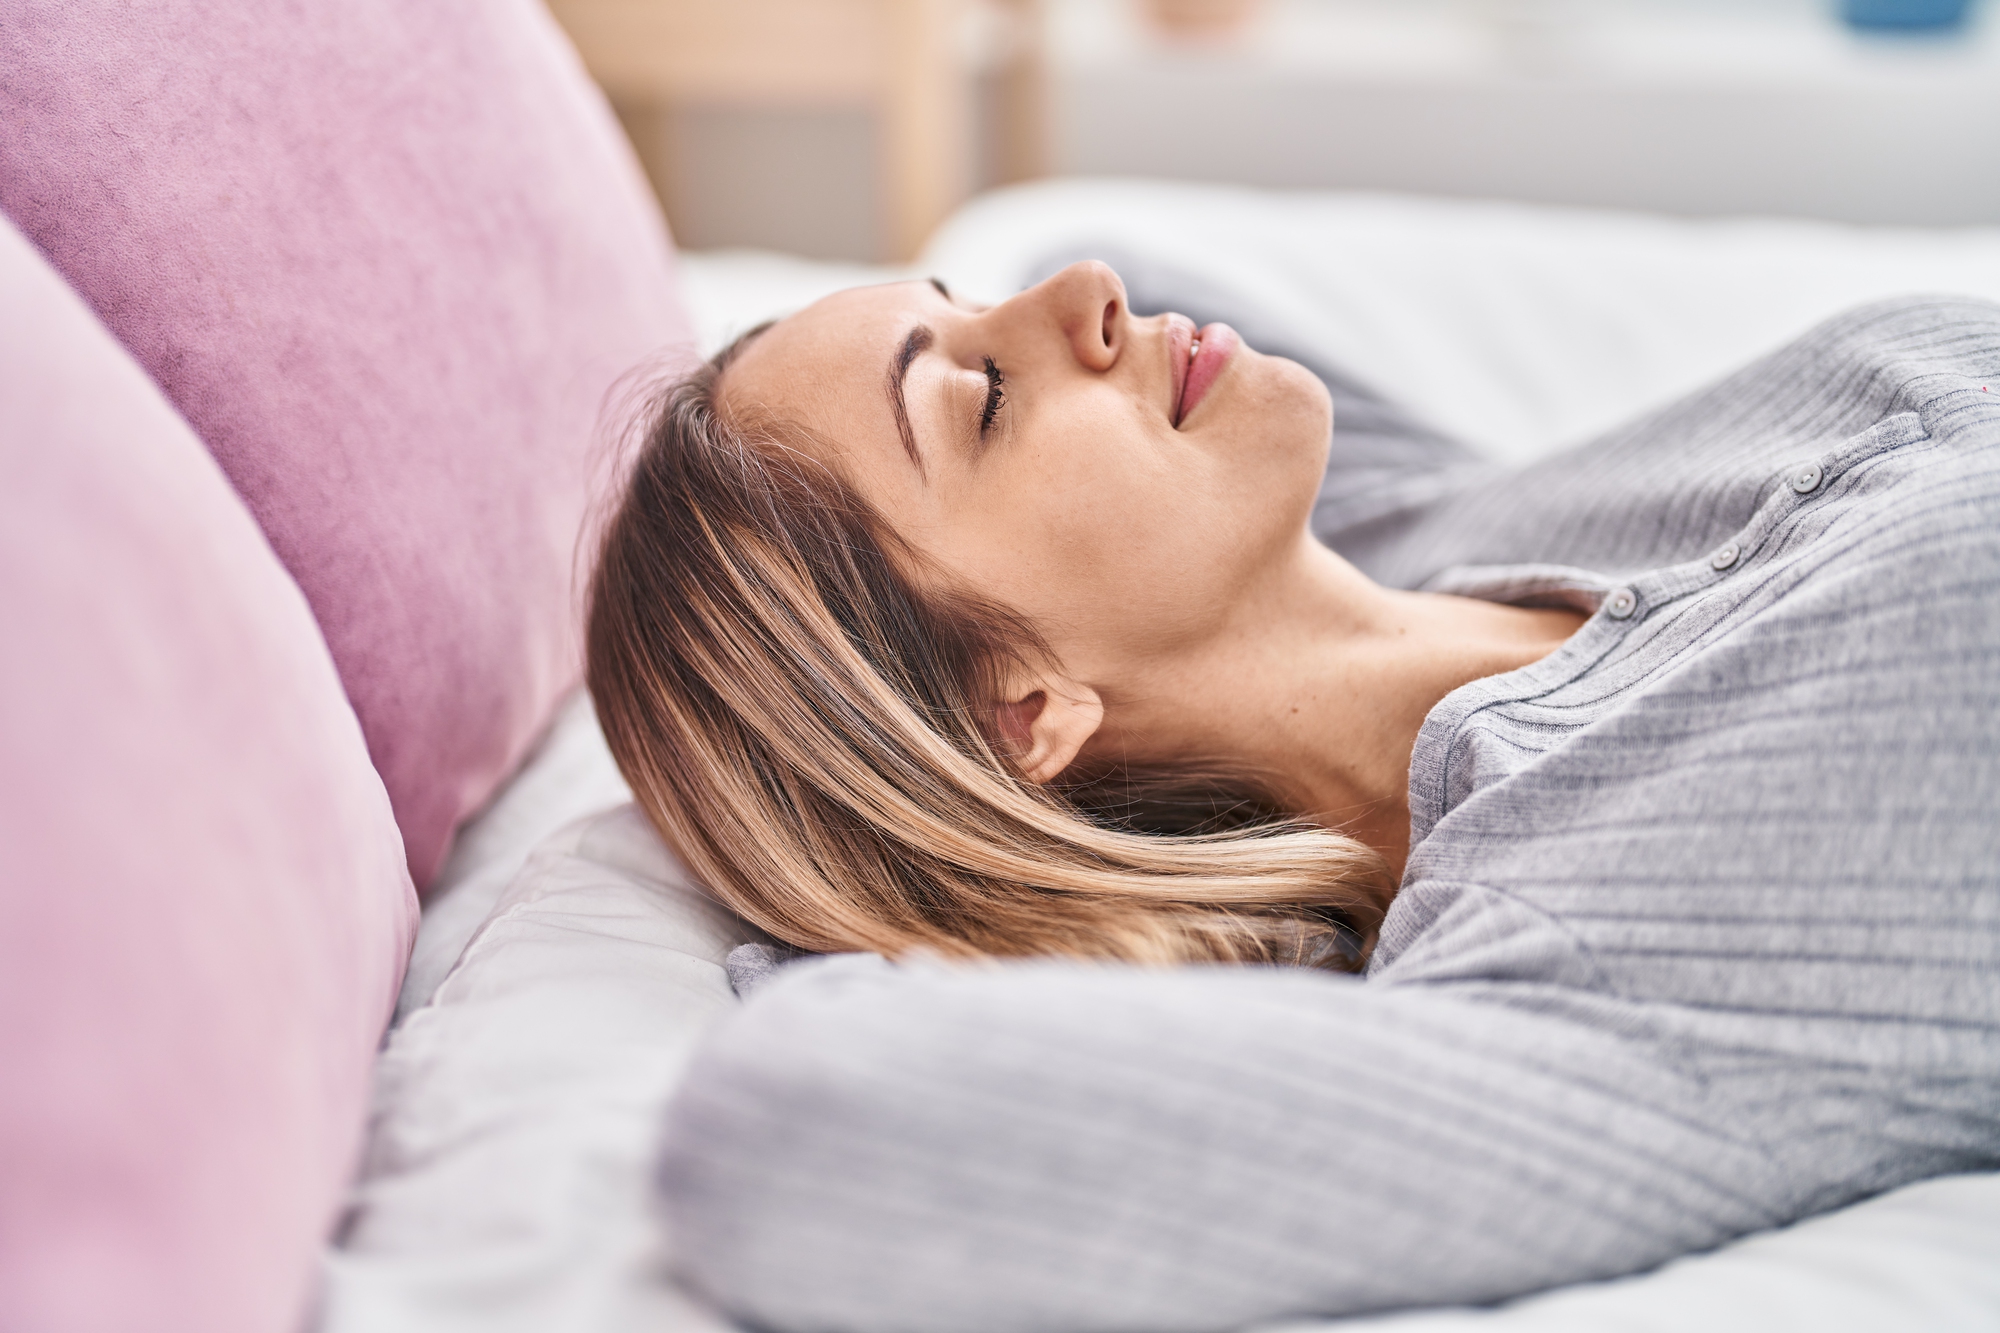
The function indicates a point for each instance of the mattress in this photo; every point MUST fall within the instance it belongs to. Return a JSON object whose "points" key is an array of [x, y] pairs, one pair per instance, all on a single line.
{"points": [[567, 966]]}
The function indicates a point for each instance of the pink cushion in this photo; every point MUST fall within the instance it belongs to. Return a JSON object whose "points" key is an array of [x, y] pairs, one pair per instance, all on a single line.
{"points": [[387, 258], [204, 900]]}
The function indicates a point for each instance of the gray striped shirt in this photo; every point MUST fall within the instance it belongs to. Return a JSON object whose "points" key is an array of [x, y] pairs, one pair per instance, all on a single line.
{"points": [[1700, 931]]}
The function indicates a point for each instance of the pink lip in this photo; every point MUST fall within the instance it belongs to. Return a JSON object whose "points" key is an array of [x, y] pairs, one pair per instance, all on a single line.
{"points": [[1218, 343], [1180, 337]]}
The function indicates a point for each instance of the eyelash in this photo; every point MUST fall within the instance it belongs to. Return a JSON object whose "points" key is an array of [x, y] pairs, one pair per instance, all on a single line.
{"points": [[996, 395]]}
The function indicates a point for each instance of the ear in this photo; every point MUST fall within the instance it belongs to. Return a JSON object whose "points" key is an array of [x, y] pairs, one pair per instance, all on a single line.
{"points": [[1044, 721]]}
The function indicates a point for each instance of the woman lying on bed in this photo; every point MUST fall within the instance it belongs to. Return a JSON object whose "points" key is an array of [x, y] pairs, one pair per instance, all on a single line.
{"points": [[1661, 820]]}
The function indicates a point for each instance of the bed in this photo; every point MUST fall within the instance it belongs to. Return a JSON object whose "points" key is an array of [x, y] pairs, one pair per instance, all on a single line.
{"points": [[303, 412], [565, 966]]}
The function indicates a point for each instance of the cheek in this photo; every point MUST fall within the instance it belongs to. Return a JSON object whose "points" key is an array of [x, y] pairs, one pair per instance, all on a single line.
{"points": [[1102, 530], [1106, 533]]}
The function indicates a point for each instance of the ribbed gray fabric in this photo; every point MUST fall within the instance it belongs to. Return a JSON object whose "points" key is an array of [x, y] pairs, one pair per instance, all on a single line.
{"points": [[1700, 933]]}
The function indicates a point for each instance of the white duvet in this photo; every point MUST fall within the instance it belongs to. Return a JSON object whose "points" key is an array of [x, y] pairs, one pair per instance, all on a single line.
{"points": [[506, 1185]]}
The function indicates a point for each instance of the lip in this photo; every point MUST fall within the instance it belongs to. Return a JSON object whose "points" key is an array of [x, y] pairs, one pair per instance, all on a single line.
{"points": [[1193, 379], [1181, 334]]}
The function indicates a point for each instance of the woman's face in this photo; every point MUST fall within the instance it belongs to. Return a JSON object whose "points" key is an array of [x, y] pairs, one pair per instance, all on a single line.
{"points": [[1056, 454]]}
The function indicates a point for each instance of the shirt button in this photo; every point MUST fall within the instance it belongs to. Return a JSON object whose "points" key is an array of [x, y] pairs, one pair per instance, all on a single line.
{"points": [[1621, 604], [1806, 480], [1725, 555]]}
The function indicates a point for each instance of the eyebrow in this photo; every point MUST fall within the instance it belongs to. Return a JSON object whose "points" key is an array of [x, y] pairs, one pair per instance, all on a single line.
{"points": [[914, 344]]}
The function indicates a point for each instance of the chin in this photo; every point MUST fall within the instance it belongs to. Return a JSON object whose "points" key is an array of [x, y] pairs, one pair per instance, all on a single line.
{"points": [[1304, 410], [1280, 465]]}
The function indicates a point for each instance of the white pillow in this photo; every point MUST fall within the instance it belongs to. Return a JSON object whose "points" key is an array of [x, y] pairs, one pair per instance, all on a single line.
{"points": [[569, 775], [508, 1176]]}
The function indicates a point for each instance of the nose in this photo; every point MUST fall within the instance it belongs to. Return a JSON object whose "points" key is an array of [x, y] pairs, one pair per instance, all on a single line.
{"points": [[1086, 301]]}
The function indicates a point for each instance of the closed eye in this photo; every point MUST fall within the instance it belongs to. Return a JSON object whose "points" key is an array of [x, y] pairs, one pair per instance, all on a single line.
{"points": [[996, 396]]}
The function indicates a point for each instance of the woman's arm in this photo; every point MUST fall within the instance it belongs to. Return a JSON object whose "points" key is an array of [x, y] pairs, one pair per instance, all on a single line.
{"points": [[1049, 1146]]}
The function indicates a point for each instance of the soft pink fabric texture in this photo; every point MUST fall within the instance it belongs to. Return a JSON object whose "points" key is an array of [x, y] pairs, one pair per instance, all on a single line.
{"points": [[387, 257], [203, 903]]}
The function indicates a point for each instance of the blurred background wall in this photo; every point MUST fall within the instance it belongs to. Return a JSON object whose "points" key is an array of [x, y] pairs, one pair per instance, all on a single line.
{"points": [[847, 128]]}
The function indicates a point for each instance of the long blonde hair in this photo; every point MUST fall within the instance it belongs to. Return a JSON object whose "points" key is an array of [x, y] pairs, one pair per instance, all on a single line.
{"points": [[805, 722]]}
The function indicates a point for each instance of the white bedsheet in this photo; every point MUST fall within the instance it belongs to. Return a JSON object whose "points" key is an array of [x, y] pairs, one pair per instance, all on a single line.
{"points": [[507, 1183]]}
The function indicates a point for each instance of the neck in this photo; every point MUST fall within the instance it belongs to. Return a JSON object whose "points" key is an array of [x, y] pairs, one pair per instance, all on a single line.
{"points": [[1321, 682]]}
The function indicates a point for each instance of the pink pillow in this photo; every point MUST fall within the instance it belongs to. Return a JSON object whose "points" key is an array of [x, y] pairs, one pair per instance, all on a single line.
{"points": [[203, 894], [387, 258]]}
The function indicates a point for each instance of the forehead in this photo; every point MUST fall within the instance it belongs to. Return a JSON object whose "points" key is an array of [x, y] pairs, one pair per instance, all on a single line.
{"points": [[826, 368]]}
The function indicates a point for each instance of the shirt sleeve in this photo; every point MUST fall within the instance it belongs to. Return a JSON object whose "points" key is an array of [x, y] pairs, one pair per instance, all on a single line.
{"points": [[1048, 1146]]}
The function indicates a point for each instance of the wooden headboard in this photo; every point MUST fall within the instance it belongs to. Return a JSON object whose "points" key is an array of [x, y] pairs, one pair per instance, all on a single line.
{"points": [[912, 63]]}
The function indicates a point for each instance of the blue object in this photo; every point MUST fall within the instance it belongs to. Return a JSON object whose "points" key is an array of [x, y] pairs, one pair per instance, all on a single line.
{"points": [[1904, 15]]}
